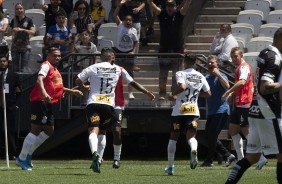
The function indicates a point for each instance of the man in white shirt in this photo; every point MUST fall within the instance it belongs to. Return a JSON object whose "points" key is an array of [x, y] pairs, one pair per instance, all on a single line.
{"points": [[222, 44]]}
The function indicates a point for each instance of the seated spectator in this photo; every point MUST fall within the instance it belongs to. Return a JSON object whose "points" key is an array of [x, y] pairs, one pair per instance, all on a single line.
{"points": [[22, 27], [67, 5], [50, 13], [31, 4], [98, 13], [82, 20], [85, 46], [222, 44], [59, 36], [127, 42]]}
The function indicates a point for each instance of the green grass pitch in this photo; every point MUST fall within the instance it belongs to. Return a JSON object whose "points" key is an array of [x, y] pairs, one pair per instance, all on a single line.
{"points": [[130, 172]]}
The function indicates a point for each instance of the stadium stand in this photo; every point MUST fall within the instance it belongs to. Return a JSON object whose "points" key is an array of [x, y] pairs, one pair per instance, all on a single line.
{"points": [[258, 43], [262, 5], [253, 17], [268, 30]]}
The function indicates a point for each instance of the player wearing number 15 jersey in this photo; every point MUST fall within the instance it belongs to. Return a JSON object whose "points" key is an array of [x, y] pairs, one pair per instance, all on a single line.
{"points": [[103, 78], [190, 84]]}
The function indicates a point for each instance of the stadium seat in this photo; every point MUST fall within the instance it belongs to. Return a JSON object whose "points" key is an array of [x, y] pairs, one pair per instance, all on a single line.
{"points": [[107, 5], [41, 31], [268, 30], [243, 30], [108, 31], [10, 4], [104, 43], [258, 43], [241, 42], [34, 62], [250, 57], [36, 44], [9, 41], [278, 5], [271, 2], [262, 5], [275, 17], [37, 17], [253, 17]]}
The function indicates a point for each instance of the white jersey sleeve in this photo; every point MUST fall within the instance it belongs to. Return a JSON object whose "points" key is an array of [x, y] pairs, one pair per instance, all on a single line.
{"points": [[84, 75], [44, 69], [126, 77], [244, 73], [206, 86]]}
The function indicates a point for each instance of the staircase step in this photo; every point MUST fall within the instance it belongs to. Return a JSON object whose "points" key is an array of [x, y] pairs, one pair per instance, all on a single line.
{"points": [[199, 38], [208, 25], [206, 31], [204, 52], [217, 18], [198, 46], [221, 11], [225, 3]]}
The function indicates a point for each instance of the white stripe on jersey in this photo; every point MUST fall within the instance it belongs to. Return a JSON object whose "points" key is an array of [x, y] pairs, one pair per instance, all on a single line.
{"points": [[194, 82]]}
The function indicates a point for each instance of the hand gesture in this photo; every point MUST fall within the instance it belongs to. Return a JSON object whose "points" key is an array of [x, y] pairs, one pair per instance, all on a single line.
{"points": [[47, 98], [76, 92], [215, 71], [151, 95]]}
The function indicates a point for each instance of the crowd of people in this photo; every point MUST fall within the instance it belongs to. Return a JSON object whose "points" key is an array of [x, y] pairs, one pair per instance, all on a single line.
{"points": [[255, 95]]}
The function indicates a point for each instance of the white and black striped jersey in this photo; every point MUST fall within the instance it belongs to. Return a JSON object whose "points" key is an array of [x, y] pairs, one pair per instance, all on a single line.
{"points": [[268, 69]]}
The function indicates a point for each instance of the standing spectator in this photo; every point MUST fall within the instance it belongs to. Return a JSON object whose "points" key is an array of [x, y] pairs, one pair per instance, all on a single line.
{"points": [[59, 36], [222, 44], [127, 42], [67, 5], [47, 91], [12, 89], [190, 84], [114, 4], [50, 13], [98, 14], [218, 113], [3, 28], [243, 94], [85, 46], [171, 40], [103, 78], [265, 112], [22, 27], [83, 20]]}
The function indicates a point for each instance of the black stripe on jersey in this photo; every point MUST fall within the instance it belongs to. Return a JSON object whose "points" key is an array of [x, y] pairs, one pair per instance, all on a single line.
{"points": [[277, 134]]}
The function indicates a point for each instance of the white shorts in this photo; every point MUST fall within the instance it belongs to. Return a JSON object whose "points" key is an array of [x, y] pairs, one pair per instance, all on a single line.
{"points": [[264, 136]]}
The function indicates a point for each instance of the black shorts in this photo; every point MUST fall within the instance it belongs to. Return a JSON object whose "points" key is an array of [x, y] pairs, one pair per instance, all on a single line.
{"points": [[100, 115], [240, 116], [182, 123], [41, 113]]}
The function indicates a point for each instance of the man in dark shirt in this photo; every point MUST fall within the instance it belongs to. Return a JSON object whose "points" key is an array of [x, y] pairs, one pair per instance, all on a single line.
{"points": [[11, 86], [171, 40]]}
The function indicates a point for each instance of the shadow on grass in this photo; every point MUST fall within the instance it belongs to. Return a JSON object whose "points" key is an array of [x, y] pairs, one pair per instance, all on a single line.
{"points": [[60, 174], [161, 175]]}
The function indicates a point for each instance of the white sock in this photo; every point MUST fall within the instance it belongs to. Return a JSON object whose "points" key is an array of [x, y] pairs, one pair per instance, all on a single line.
{"points": [[27, 145], [102, 141], [171, 148], [193, 143], [238, 145], [39, 140], [262, 157], [93, 142], [117, 151]]}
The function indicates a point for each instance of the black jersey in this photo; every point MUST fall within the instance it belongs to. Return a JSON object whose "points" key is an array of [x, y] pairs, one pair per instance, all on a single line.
{"points": [[268, 69]]}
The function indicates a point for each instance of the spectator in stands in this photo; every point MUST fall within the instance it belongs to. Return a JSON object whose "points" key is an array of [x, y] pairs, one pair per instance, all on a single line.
{"points": [[114, 4], [171, 40], [31, 4], [83, 20], [85, 46], [222, 44], [3, 28], [218, 113], [103, 78], [67, 5], [98, 13], [190, 84], [12, 89], [22, 28], [242, 92], [50, 13], [127, 42], [47, 91], [59, 36]]}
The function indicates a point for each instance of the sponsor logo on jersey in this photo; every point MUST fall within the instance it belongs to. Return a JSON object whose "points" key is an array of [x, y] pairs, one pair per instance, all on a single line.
{"points": [[188, 109], [106, 70]]}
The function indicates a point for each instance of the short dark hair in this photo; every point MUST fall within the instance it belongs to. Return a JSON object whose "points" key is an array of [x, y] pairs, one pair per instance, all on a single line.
{"points": [[60, 13], [277, 35], [4, 56], [189, 57], [52, 49]]}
